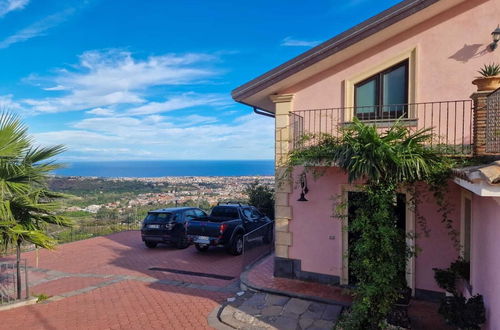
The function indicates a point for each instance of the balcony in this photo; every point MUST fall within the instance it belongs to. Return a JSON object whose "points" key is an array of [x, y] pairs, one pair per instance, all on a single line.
{"points": [[451, 123]]}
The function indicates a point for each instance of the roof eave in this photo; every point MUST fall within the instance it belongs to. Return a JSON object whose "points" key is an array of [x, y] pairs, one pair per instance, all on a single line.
{"points": [[332, 46]]}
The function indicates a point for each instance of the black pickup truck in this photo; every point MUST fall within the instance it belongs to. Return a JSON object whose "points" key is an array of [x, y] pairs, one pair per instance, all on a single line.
{"points": [[226, 225]]}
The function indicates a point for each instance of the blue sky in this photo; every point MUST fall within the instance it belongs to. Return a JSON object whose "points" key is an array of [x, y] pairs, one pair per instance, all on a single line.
{"points": [[135, 79]]}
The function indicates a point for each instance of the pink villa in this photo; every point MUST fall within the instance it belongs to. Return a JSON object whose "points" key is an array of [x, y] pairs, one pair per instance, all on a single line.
{"points": [[417, 60]]}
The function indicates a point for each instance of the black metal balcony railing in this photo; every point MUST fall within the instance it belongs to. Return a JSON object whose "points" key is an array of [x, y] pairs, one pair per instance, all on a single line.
{"points": [[450, 122]]}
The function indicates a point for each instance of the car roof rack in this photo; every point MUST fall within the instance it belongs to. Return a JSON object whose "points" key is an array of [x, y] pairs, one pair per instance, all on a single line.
{"points": [[231, 202]]}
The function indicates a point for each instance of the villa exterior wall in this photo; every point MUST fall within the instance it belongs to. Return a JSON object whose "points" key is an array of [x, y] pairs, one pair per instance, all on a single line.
{"points": [[449, 50], [485, 260], [445, 54], [437, 249], [318, 234]]}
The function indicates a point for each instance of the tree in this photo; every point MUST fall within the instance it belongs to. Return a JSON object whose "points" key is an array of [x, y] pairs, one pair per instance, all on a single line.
{"points": [[262, 197], [384, 161], [27, 205]]}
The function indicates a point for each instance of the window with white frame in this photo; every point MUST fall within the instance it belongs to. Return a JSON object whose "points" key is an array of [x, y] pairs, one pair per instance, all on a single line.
{"points": [[466, 228]]}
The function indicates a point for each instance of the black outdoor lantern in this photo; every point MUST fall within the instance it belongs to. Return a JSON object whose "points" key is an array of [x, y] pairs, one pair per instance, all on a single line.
{"points": [[303, 187], [496, 37]]}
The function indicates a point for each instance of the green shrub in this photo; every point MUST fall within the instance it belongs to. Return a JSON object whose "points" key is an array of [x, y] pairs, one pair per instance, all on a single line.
{"points": [[41, 297], [461, 268], [446, 279], [262, 197], [464, 313]]}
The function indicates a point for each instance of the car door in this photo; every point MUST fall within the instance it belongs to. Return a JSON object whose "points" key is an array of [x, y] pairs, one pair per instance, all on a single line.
{"points": [[199, 213], [190, 215], [249, 220], [259, 217]]}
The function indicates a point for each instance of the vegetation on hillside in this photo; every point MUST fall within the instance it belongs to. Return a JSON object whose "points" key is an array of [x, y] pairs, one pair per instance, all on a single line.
{"points": [[262, 197]]}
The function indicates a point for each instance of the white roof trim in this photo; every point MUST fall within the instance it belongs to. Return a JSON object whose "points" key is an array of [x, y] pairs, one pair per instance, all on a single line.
{"points": [[479, 188]]}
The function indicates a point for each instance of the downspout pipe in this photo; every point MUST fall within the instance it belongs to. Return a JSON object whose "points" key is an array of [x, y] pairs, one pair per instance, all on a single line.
{"points": [[263, 112], [259, 111]]}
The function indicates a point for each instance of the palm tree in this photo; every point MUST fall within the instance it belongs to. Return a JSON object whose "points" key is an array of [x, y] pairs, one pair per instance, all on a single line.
{"points": [[367, 153], [27, 206], [384, 161]]}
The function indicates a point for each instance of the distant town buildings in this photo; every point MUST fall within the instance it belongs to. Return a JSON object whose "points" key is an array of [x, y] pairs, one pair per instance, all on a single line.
{"points": [[182, 190]]}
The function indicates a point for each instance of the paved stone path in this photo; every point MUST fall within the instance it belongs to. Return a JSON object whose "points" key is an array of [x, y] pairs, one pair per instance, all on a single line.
{"points": [[423, 314], [106, 283], [269, 311]]}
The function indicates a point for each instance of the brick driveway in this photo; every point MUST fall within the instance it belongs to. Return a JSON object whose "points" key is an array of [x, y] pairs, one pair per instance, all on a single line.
{"points": [[105, 283]]}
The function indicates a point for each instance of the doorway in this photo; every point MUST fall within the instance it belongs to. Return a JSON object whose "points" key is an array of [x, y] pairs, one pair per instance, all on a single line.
{"points": [[355, 201]]}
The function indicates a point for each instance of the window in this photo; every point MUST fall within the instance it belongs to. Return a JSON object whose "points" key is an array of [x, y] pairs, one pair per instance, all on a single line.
{"points": [[247, 213], [158, 217], [200, 214], [189, 215], [226, 212], [467, 229], [256, 214], [384, 95]]}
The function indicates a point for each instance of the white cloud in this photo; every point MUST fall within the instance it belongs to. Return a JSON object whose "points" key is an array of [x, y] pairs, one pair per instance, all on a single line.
{"points": [[291, 42], [75, 139], [183, 101], [37, 29], [7, 6], [101, 112], [248, 137], [7, 103], [197, 119], [125, 100], [114, 77], [55, 88]]}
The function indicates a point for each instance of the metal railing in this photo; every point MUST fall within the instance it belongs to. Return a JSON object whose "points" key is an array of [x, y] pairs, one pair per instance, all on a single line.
{"points": [[12, 289], [257, 244], [77, 233], [493, 123], [80, 232], [451, 122]]}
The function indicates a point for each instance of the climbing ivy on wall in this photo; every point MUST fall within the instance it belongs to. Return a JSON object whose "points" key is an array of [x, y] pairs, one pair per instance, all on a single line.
{"points": [[385, 161]]}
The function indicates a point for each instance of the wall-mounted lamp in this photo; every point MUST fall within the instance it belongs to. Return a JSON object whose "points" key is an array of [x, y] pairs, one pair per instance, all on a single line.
{"points": [[496, 38], [303, 187]]}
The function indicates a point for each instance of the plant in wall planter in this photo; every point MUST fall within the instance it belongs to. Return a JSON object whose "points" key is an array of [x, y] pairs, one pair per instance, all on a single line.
{"points": [[446, 280], [455, 308], [463, 313], [489, 79]]}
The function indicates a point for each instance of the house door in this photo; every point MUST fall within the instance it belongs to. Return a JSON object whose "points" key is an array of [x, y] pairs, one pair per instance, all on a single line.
{"points": [[355, 201]]}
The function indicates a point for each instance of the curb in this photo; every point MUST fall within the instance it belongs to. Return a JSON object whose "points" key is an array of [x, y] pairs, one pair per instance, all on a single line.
{"points": [[215, 321], [246, 283], [19, 304]]}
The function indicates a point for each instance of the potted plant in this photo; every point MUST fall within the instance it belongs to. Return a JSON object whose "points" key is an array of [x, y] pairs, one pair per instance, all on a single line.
{"points": [[490, 78], [446, 280], [455, 308], [463, 313]]}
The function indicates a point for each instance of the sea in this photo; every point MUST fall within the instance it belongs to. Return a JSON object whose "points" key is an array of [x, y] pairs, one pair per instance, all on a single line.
{"points": [[161, 168]]}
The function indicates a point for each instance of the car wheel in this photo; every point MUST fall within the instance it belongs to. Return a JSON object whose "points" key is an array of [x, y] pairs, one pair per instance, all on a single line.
{"points": [[151, 245], [201, 248], [182, 242], [236, 247]]}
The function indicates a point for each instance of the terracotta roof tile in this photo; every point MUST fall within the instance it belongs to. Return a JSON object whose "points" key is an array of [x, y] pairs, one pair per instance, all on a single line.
{"points": [[486, 172]]}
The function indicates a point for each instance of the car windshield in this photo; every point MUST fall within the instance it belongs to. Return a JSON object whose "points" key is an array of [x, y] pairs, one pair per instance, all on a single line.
{"points": [[158, 217], [226, 212]]}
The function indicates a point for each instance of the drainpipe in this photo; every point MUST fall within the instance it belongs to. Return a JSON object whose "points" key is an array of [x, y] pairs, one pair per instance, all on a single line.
{"points": [[263, 112], [259, 111]]}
